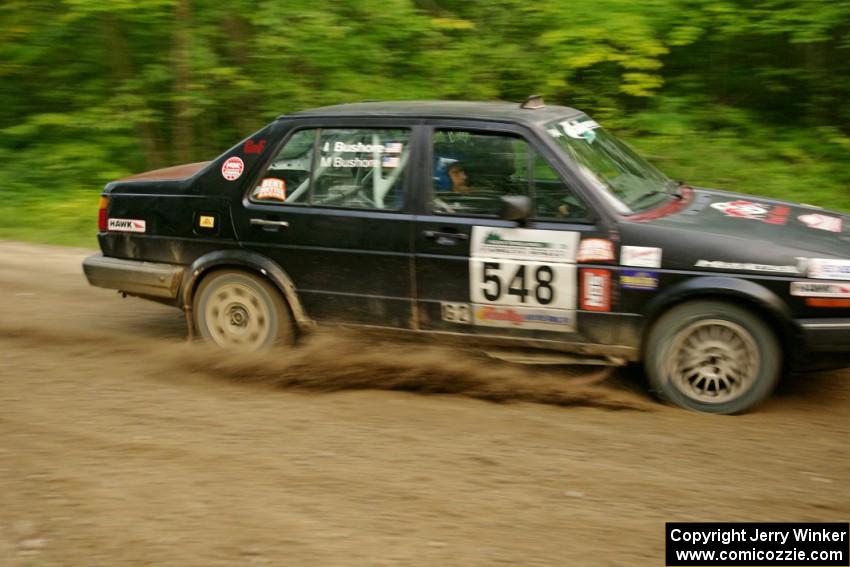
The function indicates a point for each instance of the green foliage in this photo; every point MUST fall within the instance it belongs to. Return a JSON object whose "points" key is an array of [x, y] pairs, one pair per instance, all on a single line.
{"points": [[745, 94]]}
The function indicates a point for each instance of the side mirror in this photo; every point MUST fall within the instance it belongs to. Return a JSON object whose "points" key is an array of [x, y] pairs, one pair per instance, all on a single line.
{"points": [[515, 208]]}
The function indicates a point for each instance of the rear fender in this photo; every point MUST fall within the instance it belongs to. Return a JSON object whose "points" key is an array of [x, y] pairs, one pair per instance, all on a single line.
{"points": [[252, 262]]}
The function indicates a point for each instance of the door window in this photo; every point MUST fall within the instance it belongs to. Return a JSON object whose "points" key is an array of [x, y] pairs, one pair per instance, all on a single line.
{"points": [[553, 199], [472, 171], [360, 168]]}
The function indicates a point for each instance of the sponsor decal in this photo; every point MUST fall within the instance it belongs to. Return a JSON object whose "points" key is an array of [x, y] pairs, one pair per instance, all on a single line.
{"points": [[754, 211], [595, 290], [778, 215], [524, 244], [821, 222], [820, 289], [827, 269], [232, 168], [252, 147], [456, 312], [746, 266], [524, 318], [640, 256], [595, 250], [639, 280], [126, 225], [581, 129], [271, 188], [206, 221]]}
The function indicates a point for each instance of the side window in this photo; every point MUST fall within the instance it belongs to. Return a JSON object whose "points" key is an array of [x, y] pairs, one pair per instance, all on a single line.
{"points": [[288, 177], [355, 168], [361, 168], [553, 198], [472, 171]]}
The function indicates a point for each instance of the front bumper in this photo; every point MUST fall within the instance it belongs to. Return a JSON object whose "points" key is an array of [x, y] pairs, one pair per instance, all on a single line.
{"points": [[145, 279], [827, 343]]}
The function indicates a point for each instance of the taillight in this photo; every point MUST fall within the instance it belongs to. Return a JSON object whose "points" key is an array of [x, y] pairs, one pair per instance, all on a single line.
{"points": [[101, 214]]}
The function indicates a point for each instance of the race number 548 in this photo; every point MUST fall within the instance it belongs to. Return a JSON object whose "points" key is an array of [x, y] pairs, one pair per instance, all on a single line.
{"points": [[531, 284]]}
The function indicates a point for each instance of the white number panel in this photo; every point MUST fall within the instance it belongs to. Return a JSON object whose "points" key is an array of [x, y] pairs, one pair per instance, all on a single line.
{"points": [[523, 278], [522, 284]]}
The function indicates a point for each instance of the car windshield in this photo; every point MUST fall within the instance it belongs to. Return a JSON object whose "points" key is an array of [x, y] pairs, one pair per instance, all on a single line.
{"points": [[628, 181]]}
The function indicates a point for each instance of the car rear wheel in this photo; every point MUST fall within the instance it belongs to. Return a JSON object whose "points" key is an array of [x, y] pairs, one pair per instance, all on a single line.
{"points": [[712, 356], [237, 309]]}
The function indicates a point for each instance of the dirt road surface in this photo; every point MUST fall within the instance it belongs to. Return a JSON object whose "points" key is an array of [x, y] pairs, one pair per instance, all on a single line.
{"points": [[122, 445]]}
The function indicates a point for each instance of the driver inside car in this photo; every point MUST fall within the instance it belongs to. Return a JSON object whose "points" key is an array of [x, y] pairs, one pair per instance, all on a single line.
{"points": [[458, 178]]}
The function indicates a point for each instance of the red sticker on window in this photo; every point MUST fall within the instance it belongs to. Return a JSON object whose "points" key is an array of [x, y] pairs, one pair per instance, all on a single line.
{"points": [[595, 290]]}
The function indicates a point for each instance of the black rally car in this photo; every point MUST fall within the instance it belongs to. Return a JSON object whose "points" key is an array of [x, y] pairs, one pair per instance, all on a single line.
{"points": [[500, 225]]}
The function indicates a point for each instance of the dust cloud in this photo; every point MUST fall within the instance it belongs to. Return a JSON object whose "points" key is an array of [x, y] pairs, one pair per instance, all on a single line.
{"points": [[331, 361]]}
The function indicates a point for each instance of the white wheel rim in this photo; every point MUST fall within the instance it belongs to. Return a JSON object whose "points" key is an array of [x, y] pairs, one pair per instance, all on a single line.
{"points": [[713, 361], [237, 315]]}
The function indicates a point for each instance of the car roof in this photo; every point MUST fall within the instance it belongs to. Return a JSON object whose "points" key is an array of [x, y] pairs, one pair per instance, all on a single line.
{"points": [[497, 111]]}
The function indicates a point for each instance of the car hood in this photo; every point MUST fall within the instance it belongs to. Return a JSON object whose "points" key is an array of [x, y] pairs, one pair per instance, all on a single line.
{"points": [[717, 229]]}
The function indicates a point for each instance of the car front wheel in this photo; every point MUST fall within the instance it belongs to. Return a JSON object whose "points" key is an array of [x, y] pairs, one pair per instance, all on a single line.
{"points": [[237, 309], [712, 356]]}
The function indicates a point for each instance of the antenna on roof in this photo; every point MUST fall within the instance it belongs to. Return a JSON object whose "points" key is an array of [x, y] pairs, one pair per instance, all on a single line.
{"points": [[533, 102]]}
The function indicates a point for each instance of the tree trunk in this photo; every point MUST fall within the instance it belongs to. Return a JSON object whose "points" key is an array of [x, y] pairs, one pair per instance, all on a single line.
{"points": [[122, 70], [183, 142]]}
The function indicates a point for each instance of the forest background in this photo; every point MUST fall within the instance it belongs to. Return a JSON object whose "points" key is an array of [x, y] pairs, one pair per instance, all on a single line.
{"points": [[746, 95]]}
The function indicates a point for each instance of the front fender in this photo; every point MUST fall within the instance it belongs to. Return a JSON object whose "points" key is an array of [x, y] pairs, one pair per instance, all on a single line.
{"points": [[252, 262], [755, 295]]}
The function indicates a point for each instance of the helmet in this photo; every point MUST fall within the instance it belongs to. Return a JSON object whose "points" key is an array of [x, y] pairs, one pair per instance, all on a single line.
{"points": [[441, 171]]}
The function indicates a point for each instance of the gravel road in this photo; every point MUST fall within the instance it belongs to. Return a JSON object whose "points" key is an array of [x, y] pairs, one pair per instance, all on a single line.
{"points": [[122, 445]]}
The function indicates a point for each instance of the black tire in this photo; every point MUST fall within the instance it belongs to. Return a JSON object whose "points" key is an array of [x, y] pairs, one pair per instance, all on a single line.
{"points": [[712, 356], [233, 308]]}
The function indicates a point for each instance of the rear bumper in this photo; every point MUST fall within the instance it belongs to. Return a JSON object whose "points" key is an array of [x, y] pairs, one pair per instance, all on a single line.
{"points": [[146, 279], [827, 343]]}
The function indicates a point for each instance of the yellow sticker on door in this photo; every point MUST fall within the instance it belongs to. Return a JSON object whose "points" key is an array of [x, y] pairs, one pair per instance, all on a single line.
{"points": [[206, 221]]}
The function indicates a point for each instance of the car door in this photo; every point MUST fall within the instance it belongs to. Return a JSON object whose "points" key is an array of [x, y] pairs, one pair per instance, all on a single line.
{"points": [[479, 274], [331, 208]]}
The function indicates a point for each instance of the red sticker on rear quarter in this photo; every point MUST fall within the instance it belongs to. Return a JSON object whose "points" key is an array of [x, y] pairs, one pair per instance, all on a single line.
{"points": [[595, 290], [232, 168]]}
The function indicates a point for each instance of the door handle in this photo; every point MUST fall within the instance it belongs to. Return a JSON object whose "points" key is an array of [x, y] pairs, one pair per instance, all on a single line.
{"points": [[434, 235], [269, 223]]}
